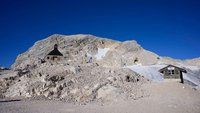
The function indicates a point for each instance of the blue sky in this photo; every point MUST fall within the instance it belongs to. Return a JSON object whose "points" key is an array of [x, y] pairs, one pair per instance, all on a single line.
{"points": [[166, 27]]}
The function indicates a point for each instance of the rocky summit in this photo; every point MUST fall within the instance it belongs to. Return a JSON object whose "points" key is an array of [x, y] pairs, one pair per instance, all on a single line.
{"points": [[80, 69], [84, 49]]}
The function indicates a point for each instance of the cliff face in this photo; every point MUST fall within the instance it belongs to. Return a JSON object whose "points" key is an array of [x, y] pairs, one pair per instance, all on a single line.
{"points": [[81, 49]]}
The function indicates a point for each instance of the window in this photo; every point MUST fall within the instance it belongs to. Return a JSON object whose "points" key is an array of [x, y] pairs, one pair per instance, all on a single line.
{"points": [[171, 72]]}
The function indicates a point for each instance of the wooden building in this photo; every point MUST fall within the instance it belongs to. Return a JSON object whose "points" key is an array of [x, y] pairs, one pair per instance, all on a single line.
{"points": [[54, 55], [173, 72]]}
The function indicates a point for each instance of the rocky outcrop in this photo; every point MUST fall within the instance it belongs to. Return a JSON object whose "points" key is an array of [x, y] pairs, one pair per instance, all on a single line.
{"points": [[83, 49], [91, 69], [191, 62], [79, 84], [195, 61]]}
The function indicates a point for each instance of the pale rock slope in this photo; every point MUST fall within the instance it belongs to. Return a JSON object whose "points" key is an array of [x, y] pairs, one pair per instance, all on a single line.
{"points": [[78, 49], [92, 69]]}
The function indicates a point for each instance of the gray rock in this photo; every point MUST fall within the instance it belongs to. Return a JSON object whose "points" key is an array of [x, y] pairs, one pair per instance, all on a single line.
{"points": [[91, 70]]}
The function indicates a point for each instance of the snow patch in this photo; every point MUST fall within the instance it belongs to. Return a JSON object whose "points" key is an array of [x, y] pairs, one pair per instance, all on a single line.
{"points": [[192, 75], [101, 53], [151, 72]]}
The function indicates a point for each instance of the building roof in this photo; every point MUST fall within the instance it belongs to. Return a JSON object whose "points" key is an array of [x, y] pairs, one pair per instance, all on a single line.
{"points": [[181, 69], [55, 51]]}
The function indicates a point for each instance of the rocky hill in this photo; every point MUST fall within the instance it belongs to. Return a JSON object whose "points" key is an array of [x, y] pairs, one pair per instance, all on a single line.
{"points": [[89, 68], [193, 62], [79, 49]]}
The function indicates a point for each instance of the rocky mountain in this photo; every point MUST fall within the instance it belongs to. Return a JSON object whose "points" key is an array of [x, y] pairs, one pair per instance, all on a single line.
{"points": [[79, 49], [193, 62], [90, 69], [86, 68]]}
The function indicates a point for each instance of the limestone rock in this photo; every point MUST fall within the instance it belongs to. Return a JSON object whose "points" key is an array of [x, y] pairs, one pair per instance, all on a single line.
{"points": [[85, 49], [92, 69]]}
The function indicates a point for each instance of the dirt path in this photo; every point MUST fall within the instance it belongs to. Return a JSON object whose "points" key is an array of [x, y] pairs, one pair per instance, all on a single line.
{"points": [[165, 97]]}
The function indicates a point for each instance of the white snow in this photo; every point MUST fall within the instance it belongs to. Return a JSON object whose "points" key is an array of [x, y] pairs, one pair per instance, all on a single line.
{"points": [[101, 53], [151, 72], [192, 75]]}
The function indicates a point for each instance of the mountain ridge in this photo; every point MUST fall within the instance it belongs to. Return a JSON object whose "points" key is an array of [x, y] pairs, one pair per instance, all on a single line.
{"points": [[89, 44], [89, 69]]}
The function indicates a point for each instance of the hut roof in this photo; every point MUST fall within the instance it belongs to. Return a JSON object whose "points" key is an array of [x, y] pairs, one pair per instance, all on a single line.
{"points": [[181, 69], [55, 51]]}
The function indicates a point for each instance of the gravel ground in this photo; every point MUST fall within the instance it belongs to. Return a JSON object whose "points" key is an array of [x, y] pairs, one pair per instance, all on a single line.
{"points": [[164, 97]]}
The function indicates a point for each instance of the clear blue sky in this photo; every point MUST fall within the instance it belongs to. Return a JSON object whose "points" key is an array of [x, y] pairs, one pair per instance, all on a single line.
{"points": [[166, 27]]}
